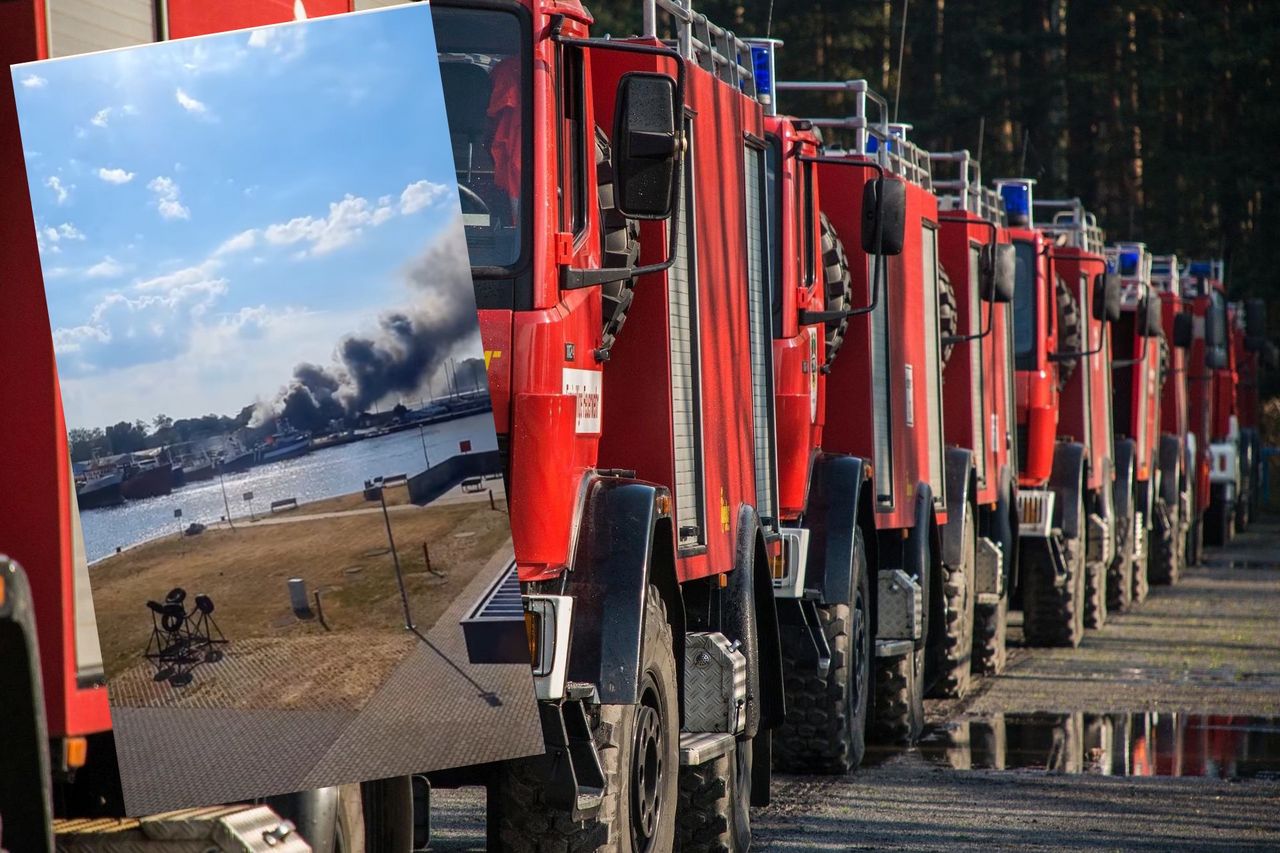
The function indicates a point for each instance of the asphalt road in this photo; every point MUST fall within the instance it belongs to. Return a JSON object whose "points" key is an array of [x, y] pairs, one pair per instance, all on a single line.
{"points": [[1178, 684]]}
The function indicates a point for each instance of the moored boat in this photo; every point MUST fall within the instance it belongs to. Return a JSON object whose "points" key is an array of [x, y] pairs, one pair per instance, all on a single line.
{"points": [[94, 492], [146, 481], [284, 445]]}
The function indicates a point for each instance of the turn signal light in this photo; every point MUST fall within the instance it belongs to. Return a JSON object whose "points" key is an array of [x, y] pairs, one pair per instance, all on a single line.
{"points": [[533, 631], [75, 750]]}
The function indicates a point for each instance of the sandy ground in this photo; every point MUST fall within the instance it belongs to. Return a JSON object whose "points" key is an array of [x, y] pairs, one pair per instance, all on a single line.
{"points": [[1211, 644], [343, 555]]}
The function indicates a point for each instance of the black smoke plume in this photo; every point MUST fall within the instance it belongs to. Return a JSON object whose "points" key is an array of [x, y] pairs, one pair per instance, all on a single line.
{"points": [[409, 348]]}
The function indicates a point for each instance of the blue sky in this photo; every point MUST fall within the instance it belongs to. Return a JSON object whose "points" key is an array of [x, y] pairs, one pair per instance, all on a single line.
{"points": [[213, 211]]}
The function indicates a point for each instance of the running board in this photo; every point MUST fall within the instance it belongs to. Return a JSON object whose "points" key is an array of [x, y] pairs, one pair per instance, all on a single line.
{"points": [[894, 648], [700, 747]]}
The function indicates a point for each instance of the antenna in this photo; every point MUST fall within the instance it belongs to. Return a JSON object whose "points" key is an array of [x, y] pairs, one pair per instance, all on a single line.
{"points": [[902, 41], [1022, 160], [982, 135]]}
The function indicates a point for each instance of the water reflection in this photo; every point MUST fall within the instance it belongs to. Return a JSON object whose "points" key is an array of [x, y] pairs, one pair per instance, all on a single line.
{"points": [[1142, 744]]}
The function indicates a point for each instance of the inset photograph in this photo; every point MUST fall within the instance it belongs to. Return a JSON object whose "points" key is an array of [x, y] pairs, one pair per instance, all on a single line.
{"points": [[287, 476]]}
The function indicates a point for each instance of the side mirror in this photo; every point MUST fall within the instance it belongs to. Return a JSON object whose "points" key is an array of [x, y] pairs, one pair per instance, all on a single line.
{"points": [[1255, 325], [1106, 298], [999, 272], [1149, 320], [646, 143], [1182, 330], [893, 216]]}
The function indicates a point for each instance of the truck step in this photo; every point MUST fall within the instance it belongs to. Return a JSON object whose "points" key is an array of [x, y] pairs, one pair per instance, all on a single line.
{"points": [[700, 747], [243, 829]]}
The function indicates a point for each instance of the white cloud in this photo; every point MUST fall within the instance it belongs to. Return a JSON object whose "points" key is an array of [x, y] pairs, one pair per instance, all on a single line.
{"points": [[115, 176], [60, 191], [100, 117], [238, 243], [108, 267], [343, 225], [261, 38], [74, 339], [167, 192], [69, 231], [190, 104], [34, 81], [47, 236], [179, 279], [420, 194]]}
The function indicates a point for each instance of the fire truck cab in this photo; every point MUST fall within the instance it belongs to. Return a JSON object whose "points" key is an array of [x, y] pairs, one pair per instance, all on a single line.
{"points": [[1062, 304], [1137, 370]]}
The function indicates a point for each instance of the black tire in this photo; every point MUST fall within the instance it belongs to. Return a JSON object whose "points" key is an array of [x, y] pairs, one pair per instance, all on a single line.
{"points": [[1070, 337], [956, 647], [990, 631], [1052, 614], [1095, 595], [948, 313], [619, 245], [1121, 574], [624, 734], [1166, 552], [825, 728], [712, 817], [899, 699], [838, 285], [1140, 577]]}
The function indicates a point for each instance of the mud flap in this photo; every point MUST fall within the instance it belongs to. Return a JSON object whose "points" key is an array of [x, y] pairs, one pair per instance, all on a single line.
{"points": [[959, 468], [989, 574], [575, 778]]}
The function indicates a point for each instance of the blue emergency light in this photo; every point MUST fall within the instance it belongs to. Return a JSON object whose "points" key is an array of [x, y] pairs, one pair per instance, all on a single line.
{"points": [[760, 62], [1128, 263], [1017, 202], [1200, 269]]}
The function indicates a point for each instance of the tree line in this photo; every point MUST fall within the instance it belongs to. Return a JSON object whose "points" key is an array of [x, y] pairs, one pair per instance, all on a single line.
{"points": [[1161, 116]]}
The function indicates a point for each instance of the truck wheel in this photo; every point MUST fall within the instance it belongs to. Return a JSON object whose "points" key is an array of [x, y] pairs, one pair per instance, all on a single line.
{"points": [[957, 641], [825, 729], [713, 815], [640, 750], [1165, 561], [1095, 595], [948, 313], [1142, 545], [899, 709], [1052, 614], [1195, 539], [1069, 331], [990, 627], [619, 242], [1121, 574], [839, 285]]}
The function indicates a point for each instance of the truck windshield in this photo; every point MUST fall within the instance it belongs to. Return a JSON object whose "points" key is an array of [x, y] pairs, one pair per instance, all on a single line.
{"points": [[1024, 306], [486, 95]]}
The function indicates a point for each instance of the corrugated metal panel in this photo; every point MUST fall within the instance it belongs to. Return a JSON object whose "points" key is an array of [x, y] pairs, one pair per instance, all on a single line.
{"points": [[933, 364], [881, 401], [81, 26], [977, 358], [761, 336], [685, 399]]}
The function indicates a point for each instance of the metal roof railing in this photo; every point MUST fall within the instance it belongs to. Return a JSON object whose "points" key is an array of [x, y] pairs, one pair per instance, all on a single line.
{"points": [[1165, 275], [1072, 225], [966, 190], [699, 40]]}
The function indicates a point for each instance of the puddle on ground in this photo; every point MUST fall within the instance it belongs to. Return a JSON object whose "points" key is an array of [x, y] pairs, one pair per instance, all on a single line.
{"points": [[1145, 744], [1228, 563]]}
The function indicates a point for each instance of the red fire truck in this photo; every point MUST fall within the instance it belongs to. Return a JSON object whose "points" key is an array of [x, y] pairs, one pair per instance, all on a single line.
{"points": [[1063, 301], [1249, 343], [1174, 505], [1139, 352], [1211, 393], [978, 395]]}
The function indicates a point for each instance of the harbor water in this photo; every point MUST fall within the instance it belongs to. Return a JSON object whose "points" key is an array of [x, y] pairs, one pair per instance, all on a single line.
{"points": [[319, 474]]}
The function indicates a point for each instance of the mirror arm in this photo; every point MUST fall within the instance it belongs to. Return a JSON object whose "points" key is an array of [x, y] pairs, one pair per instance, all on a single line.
{"points": [[960, 339], [879, 258], [572, 278]]}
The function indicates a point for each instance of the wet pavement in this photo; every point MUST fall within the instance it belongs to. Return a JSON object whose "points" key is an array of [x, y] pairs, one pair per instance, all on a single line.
{"points": [[1162, 731]]}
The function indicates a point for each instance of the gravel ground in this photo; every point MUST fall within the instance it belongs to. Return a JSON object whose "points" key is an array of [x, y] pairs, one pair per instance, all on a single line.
{"points": [[1210, 645]]}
